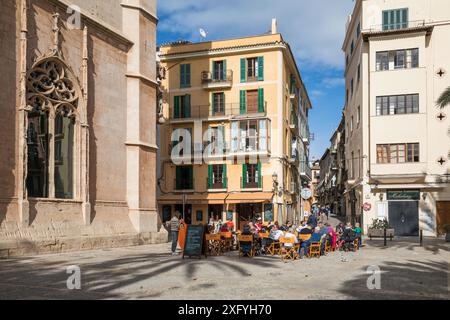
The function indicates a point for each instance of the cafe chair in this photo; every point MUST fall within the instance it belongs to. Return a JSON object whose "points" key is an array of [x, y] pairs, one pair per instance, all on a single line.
{"points": [[328, 247], [288, 252], [273, 248], [226, 241], [314, 249], [213, 244], [356, 245], [246, 246]]}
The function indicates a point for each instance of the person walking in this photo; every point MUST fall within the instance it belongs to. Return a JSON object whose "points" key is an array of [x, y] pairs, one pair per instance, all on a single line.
{"points": [[174, 229]]}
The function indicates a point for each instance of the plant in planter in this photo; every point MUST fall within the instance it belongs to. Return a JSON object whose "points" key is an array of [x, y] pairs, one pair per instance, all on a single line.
{"points": [[376, 230], [446, 228]]}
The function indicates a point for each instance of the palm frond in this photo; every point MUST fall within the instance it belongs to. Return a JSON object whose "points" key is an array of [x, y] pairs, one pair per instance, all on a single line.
{"points": [[444, 99]]}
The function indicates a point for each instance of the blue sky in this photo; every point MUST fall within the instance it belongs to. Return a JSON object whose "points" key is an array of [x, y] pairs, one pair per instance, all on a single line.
{"points": [[314, 29]]}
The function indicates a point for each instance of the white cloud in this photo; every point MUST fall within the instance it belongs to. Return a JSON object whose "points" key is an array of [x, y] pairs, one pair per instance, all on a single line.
{"points": [[314, 29], [333, 82]]}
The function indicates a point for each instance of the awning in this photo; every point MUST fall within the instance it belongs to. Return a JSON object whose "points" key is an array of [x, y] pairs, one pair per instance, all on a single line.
{"points": [[217, 198], [254, 197]]}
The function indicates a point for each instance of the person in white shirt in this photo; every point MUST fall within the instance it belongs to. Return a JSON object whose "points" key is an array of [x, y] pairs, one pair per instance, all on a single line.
{"points": [[289, 235], [303, 226]]}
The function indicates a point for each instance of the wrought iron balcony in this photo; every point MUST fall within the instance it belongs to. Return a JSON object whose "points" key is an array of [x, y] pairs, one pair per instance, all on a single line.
{"points": [[222, 110], [216, 80]]}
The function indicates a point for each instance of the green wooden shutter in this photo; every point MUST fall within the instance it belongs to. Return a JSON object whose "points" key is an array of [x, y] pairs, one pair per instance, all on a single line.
{"points": [[213, 104], [243, 102], [261, 102], [244, 176], [187, 106], [176, 108], [404, 18], [191, 177], [182, 75], [385, 20], [213, 76], [188, 76], [243, 70], [259, 176], [261, 68], [178, 178], [210, 176], [225, 177], [224, 70]]}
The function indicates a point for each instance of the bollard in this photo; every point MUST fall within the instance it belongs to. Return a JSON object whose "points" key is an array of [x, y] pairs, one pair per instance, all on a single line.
{"points": [[385, 237], [421, 238]]}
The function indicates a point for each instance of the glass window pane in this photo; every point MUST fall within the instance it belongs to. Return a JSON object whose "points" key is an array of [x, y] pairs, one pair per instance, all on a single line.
{"points": [[37, 144], [64, 134], [393, 153]]}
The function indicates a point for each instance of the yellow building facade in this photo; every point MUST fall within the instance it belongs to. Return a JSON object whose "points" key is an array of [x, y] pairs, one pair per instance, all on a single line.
{"points": [[242, 110]]}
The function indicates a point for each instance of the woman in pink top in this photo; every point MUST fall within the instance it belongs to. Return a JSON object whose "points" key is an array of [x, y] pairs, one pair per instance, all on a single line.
{"points": [[333, 235]]}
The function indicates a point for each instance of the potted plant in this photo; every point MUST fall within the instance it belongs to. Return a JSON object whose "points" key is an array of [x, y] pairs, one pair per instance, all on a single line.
{"points": [[446, 228], [376, 230]]}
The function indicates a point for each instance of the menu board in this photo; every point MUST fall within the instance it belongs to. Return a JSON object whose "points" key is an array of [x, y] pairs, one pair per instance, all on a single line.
{"points": [[194, 241]]}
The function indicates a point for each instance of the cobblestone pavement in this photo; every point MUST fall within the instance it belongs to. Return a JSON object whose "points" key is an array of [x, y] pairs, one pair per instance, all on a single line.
{"points": [[408, 271]]}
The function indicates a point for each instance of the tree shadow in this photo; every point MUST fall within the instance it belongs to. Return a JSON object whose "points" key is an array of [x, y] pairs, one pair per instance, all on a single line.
{"points": [[107, 279], [412, 280], [429, 244]]}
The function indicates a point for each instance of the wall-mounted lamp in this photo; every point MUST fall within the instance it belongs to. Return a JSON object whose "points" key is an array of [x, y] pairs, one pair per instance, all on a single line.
{"points": [[424, 196], [381, 196]]}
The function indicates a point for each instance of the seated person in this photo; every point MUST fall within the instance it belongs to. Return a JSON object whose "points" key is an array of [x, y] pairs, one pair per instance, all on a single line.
{"points": [[358, 233], [302, 226], [246, 246], [348, 237], [290, 234], [316, 237], [224, 228]]}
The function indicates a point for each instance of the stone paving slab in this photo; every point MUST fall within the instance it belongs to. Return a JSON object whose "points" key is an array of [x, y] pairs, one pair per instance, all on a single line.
{"points": [[150, 272]]}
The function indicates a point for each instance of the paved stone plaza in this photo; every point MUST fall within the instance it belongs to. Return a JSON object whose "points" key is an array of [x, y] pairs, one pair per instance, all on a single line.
{"points": [[408, 271]]}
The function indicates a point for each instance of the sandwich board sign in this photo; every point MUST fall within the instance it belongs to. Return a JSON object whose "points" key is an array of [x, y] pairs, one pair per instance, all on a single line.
{"points": [[193, 245]]}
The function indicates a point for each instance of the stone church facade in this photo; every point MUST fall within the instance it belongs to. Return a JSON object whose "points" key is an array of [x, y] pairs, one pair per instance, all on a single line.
{"points": [[78, 104]]}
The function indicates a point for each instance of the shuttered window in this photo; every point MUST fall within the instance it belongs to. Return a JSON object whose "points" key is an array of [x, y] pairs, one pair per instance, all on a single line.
{"points": [[185, 75], [395, 19]]}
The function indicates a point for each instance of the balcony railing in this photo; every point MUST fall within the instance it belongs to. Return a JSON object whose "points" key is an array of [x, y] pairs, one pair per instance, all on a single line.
{"points": [[305, 170], [218, 111], [222, 185], [212, 80], [183, 184], [251, 185], [398, 26]]}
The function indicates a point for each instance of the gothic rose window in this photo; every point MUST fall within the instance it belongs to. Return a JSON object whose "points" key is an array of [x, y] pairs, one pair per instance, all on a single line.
{"points": [[52, 104]]}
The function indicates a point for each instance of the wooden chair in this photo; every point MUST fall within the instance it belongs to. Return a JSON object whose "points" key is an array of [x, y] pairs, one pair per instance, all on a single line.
{"points": [[328, 247], [226, 241], [314, 249], [243, 240], [289, 252], [304, 237], [356, 245], [213, 244], [273, 248]]}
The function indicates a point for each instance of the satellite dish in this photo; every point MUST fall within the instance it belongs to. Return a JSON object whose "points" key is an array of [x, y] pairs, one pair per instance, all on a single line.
{"points": [[203, 33]]}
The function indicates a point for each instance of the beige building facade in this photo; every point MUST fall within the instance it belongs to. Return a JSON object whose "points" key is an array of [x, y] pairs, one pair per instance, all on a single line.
{"points": [[79, 116], [246, 108], [397, 139]]}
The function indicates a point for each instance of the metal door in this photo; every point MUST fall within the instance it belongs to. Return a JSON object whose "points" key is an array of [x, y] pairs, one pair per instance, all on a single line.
{"points": [[404, 217]]}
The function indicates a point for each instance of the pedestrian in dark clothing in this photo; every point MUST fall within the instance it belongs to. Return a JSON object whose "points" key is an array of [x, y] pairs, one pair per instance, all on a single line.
{"points": [[174, 229], [312, 221]]}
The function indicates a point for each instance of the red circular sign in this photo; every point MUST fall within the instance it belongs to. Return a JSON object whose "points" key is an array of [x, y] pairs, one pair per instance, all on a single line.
{"points": [[367, 207]]}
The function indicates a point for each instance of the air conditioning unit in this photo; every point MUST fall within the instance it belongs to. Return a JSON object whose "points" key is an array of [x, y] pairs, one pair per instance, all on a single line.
{"points": [[206, 76]]}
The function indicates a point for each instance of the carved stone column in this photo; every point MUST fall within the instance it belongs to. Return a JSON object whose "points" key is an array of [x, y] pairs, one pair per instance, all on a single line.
{"points": [[23, 205]]}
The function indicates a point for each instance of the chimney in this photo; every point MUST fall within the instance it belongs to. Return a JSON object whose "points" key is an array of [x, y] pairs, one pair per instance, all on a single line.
{"points": [[274, 26]]}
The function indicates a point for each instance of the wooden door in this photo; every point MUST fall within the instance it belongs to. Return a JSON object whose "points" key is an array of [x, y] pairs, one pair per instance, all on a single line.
{"points": [[443, 215]]}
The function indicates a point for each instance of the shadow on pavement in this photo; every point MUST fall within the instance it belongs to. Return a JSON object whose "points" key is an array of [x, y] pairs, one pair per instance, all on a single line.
{"points": [[35, 278], [413, 280]]}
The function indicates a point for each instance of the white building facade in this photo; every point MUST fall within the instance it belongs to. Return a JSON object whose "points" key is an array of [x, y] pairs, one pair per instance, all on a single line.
{"points": [[397, 142]]}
